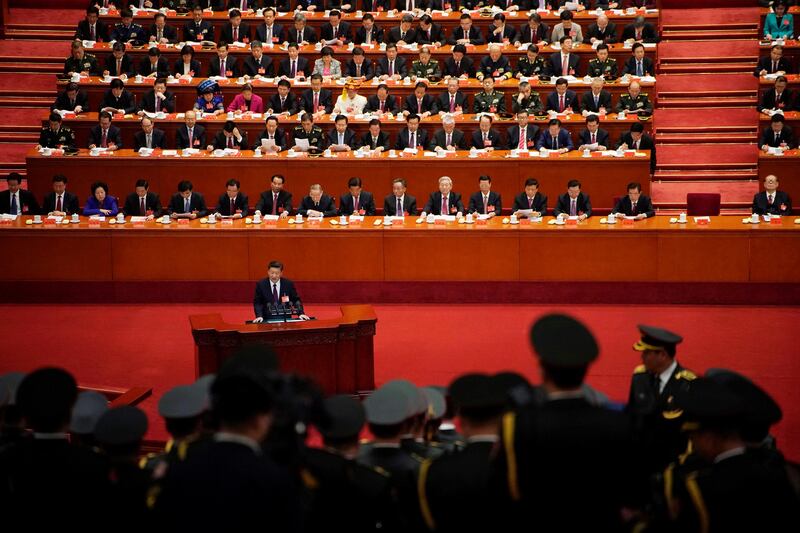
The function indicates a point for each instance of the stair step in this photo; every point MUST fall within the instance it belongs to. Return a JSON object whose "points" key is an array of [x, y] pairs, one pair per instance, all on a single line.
{"points": [[25, 68], [8, 137], [48, 35], [20, 128], [710, 35], [707, 68], [722, 25], [4, 93], [25, 101], [717, 137], [41, 26], [705, 175], [699, 101]]}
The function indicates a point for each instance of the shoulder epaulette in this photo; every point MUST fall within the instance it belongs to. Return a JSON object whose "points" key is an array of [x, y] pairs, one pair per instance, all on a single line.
{"points": [[643, 94], [686, 374], [639, 369]]}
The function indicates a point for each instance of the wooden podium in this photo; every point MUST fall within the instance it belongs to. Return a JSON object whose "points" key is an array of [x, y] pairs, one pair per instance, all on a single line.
{"points": [[336, 353]]}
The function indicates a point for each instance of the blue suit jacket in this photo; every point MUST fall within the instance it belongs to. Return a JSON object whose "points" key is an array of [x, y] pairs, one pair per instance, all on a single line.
{"points": [[570, 100], [263, 294], [546, 140]]}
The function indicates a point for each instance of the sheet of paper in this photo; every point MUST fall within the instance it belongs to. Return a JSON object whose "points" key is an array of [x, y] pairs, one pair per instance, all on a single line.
{"points": [[302, 144]]}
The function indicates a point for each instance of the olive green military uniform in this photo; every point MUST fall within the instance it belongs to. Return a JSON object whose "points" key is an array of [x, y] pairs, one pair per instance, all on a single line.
{"points": [[88, 63], [633, 105], [532, 104], [315, 138], [489, 103], [529, 68], [426, 70], [606, 69]]}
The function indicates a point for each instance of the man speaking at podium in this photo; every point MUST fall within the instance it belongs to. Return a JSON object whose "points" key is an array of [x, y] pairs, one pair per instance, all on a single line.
{"points": [[274, 290]]}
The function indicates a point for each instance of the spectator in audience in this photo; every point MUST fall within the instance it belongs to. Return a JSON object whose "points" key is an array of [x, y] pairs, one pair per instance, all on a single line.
{"points": [[593, 137], [327, 66], [532, 65], [603, 66], [404, 33], [486, 138], [316, 100], [197, 29], [419, 102], [639, 64], [310, 132], [71, 99], [374, 138], [573, 203], [158, 99], [300, 33], [430, 32], [459, 65], [310, 5], [335, 32], [399, 203], [154, 65], [224, 65], [100, 203], [640, 31], [60, 202], [534, 32], [187, 65], [79, 62], [369, 33], [449, 138], [230, 137], [563, 62], [567, 28], [495, 65], [444, 201], [160, 32], [89, 407], [294, 66], [272, 133], [635, 101], [117, 99], [425, 67], [602, 30], [90, 29], [774, 63], [150, 136], [489, 100], [210, 101], [635, 204], [777, 134], [235, 31], [357, 201], [127, 31], [190, 134], [412, 136], [636, 139], [187, 204], [119, 63], [530, 200], [778, 98], [350, 103], [771, 201], [596, 101], [277, 200], [15, 200], [391, 67], [779, 24], [317, 204], [55, 134], [341, 138], [500, 32], [555, 138], [257, 64], [246, 101], [283, 102], [105, 135], [382, 102], [269, 32], [522, 135], [563, 100], [359, 67], [452, 101], [466, 33], [142, 202], [485, 201], [233, 203]]}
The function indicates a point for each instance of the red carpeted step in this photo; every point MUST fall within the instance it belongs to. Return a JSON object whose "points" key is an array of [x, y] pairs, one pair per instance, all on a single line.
{"points": [[710, 120], [44, 17], [734, 193], [688, 156], [708, 16], [706, 175], [707, 50], [707, 84], [28, 82], [14, 153], [31, 48]]}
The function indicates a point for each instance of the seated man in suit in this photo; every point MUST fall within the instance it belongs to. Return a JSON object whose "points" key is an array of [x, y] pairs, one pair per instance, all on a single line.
{"points": [[412, 136], [500, 32], [430, 32], [485, 201], [375, 139], [602, 30], [317, 204], [232, 204], [277, 200], [563, 100], [399, 204], [154, 65], [466, 33], [269, 32], [419, 102], [91, 29], [142, 202], [523, 135], [191, 134], [197, 29], [382, 102], [71, 99], [335, 32], [357, 201], [593, 137], [459, 65], [404, 33], [640, 31], [224, 65], [55, 134], [452, 101], [449, 138], [158, 99], [391, 67], [274, 290], [359, 67], [149, 137], [258, 63], [186, 203], [17, 201], [283, 102], [778, 134], [771, 201], [60, 202], [637, 139], [564, 62], [444, 201], [235, 31], [779, 97], [300, 32], [127, 31], [638, 64], [534, 32], [341, 138], [118, 99], [230, 137], [272, 133], [596, 101], [487, 138], [294, 66], [368, 33], [530, 200], [316, 100], [774, 63], [104, 135], [119, 63], [160, 32], [555, 138], [573, 203], [635, 204]]}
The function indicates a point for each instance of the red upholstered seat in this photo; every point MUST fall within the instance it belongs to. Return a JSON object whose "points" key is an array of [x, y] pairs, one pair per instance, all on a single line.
{"points": [[702, 204]]}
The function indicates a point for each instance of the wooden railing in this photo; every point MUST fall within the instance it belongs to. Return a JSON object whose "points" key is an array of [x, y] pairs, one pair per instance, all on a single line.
{"points": [[118, 396]]}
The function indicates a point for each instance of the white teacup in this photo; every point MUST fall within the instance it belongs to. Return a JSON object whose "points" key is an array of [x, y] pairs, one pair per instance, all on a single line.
{"points": [[37, 218], [754, 218]]}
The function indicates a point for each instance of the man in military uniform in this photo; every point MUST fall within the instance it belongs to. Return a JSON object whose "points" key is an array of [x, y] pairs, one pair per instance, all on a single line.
{"points": [[527, 100], [635, 101], [489, 100], [311, 132], [80, 62], [651, 402], [56, 135], [198, 29], [495, 65], [424, 67], [532, 65], [127, 30], [603, 66]]}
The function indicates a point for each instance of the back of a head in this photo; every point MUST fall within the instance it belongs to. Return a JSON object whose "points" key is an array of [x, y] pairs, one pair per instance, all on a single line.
{"points": [[239, 397], [565, 348], [45, 398]]}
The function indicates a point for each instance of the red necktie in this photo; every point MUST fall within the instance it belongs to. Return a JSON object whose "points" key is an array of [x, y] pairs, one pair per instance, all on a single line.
{"points": [[593, 138], [316, 102], [452, 103], [521, 144], [222, 70], [58, 203], [230, 141], [191, 130], [391, 68], [233, 207], [274, 203], [419, 107], [104, 139], [235, 34], [383, 102], [294, 69], [633, 208], [142, 208], [158, 103], [638, 35], [561, 106], [530, 203], [444, 205], [275, 293], [565, 65], [413, 143], [91, 33], [355, 205]]}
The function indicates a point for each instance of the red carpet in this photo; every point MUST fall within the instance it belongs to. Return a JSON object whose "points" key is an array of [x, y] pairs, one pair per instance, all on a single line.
{"points": [[674, 192], [710, 119], [708, 17], [702, 83], [30, 48], [707, 155], [707, 49], [31, 82], [69, 17], [137, 345]]}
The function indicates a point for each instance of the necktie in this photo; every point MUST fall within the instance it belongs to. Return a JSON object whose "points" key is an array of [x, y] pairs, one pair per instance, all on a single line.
{"points": [[59, 204], [191, 134], [233, 207], [160, 35], [283, 101], [294, 69], [402, 35], [274, 203], [235, 34], [774, 66], [638, 35], [429, 34], [555, 143], [358, 71], [186, 205], [776, 137], [119, 67], [275, 293], [230, 141], [383, 103], [341, 138], [158, 103], [770, 199], [355, 204], [639, 70], [419, 106], [413, 142], [391, 68], [593, 138], [222, 70], [269, 34], [485, 204], [149, 138], [452, 103], [335, 28], [399, 208], [564, 65], [142, 207], [153, 66], [573, 209], [633, 208], [561, 105], [91, 32], [72, 104], [410, 5], [448, 140], [444, 205], [596, 101], [104, 139], [458, 68], [530, 203], [244, 5], [484, 139], [369, 37], [14, 204], [316, 102]]}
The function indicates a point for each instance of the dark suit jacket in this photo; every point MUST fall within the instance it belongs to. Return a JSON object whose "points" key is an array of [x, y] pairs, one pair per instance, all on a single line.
{"points": [[169, 33], [428, 104], [265, 203], [608, 36], [393, 35], [326, 205], [326, 32], [781, 205], [539, 203], [159, 139], [374, 104], [227, 33], [765, 63], [475, 36], [437, 35], [583, 205], [531, 134], [290, 104], [443, 101], [100, 30], [70, 203], [152, 203], [277, 33], [585, 137], [126, 101], [195, 67], [645, 143], [554, 64], [643, 207], [434, 204], [508, 33], [570, 100], [280, 138], [785, 102], [647, 64], [494, 137], [604, 100], [263, 67], [403, 139], [459, 140], [263, 295], [308, 34], [399, 66], [148, 102], [114, 136], [127, 65], [224, 204], [197, 204], [62, 101], [546, 140], [466, 66], [162, 67], [376, 37], [409, 205], [768, 137], [476, 203], [366, 203], [182, 137], [285, 67], [27, 203], [367, 69], [325, 100], [220, 141], [350, 138], [383, 140], [648, 33], [204, 33], [373, 5], [231, 65], [524, 33]]}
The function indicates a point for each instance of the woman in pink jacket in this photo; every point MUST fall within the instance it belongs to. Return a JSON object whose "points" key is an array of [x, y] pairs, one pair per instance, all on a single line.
{"points": [[247, 101]]}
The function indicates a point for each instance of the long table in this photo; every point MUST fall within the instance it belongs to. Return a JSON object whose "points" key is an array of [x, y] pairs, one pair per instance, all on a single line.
{"points": [[604, 178], [254, 125], [186, 93], [786, 168], [764, 85], [652, 250]]}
